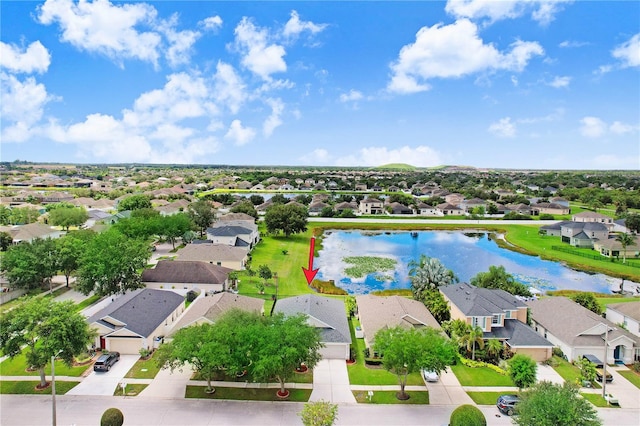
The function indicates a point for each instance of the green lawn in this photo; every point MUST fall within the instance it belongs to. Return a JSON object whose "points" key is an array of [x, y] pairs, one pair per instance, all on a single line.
{"points": [[132, 389], [480, 376], [389, 397], [29, 387], [87, 302], [485, 398], [597, 400], [17, 367], [360, 374], [306, 377], [631, 376], [144, 369], [251, 394]]}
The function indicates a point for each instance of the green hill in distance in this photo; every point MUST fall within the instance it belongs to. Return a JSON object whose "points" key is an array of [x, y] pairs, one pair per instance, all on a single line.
{"points": [[396, 166]]}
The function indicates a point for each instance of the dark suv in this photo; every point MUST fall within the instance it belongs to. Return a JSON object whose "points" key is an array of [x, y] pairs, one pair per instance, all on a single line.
{"points": [[105, 361], [506, 404]]}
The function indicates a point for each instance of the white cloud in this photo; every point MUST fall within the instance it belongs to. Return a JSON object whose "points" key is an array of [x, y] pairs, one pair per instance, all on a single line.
{"points": [[229, 88], [239, 135], [295, 26], [319, 156], [628, 53], [571, 44], [274, 120], [22, 106], [105, 28], [420, 156], [259, 56], [452, 51], [504, 128], [514, 80], [180, 42], [212, 23], [543, 11], [352, 96], [560, 81], [592, 127], [620, 128], [35, 58]]}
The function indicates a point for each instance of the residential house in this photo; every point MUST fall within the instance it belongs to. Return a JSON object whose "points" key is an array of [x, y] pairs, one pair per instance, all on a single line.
{"points": [[316, 207], [594, 217], [549, 208], [233, 235], [626, 315], [520, 208], [187, 275], [175, 207], [327, 314], [500, 315], [360, 187], [217, 254], [583, 234], [424, 209], [399, 208], [454, 198], [611, 247], [469, 205], [578, 331], [28, 233], [341, 207], [136, 320], [207, 310], [371, 206], [448, 209], [380, 312]]}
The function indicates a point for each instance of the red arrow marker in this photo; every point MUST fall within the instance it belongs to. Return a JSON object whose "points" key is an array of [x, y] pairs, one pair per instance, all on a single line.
{"points": [[310, 273]]}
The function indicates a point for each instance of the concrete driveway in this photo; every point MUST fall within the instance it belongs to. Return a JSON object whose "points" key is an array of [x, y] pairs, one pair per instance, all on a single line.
{"points": [[447, 391], [331, 382], [547, 373], [105, 383], [628, 395], [167, 384]]}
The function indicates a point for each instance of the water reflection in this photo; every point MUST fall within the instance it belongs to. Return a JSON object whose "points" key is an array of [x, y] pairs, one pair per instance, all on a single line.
{"points": [[465, 253]]}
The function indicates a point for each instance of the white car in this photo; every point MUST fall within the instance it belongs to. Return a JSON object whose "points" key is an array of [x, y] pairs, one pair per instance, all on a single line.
{"points": [[611, 399], [430, 376]]}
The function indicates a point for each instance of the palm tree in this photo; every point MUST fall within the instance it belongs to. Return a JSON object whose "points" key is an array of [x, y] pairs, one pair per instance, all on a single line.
{"points": [[428, 273], [473, 336], [625, 240], [494, 347]]}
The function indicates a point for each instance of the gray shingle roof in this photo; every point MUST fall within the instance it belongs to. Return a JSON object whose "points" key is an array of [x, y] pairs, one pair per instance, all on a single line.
{"points": [[142, 310], [628, 309], [168, 271], [208, 252], [518, 335], [329, 311], [228, 231], [475, 301]]}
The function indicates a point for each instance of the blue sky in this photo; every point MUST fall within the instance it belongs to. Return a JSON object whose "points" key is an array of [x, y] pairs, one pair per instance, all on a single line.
{"points": [[499, 84]]}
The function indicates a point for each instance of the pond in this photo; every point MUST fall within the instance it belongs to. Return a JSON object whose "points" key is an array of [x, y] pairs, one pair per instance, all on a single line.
{"points": [[465, 253]]}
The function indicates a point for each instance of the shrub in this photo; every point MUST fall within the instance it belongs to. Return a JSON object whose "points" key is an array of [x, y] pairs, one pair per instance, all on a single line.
{"points": [[475, 364], [144, 353], [546, 216], [467, 415], [192, 295], [112, 417], [636, 366], [558, 352]]}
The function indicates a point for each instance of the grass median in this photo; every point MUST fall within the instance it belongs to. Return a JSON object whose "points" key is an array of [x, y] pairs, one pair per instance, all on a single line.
{"points": [[250, 394], [390, 397], [28, 387]]}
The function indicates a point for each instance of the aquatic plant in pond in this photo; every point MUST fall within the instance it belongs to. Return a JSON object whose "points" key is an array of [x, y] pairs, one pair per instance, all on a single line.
{"points": [[365, 265], [465, 253]]}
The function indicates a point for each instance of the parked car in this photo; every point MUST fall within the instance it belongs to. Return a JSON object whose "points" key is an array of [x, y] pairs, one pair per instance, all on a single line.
{"points": [[611, 399], [430, 376], [594, 359], [600, 373], [105, 361], [507, 403]]}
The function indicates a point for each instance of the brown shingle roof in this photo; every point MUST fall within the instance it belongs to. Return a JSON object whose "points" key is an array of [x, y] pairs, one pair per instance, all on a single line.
{"points": [[168, 271], [209, 252]]}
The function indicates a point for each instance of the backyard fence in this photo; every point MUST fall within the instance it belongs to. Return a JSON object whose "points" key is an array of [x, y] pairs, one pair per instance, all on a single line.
{"points": [[633, 263]]}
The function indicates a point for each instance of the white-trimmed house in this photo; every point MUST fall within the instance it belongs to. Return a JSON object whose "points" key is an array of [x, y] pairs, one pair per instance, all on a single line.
{"points": [[626, 314], [136, 320]]}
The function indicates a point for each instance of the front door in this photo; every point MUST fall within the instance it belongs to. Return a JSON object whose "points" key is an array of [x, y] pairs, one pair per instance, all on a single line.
{"points": [[102, 342]]}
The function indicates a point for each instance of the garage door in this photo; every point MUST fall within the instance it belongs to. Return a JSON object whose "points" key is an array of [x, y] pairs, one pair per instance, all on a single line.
{"points": [[130, 346], [334, 351]]}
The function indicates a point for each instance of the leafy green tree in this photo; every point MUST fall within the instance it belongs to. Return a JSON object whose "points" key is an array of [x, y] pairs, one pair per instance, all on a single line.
{"points": [[327, 212], [284, 343], [245, 207], [472, 338], [265, 273], [279, 199], [456, 328], [350, 305], [24, 215], [30, 265], [288, 218], [498, 277], [5, 240], [632, 222], [494, 348], [589, 301], [428, 273], [202, 214], [434, 301], [256, 200], [522, 370], [467, 415], [135, 202], [174, 226], [112, 264], [550, 404], [67, 217], [5, 215], [44, 328], [625, 241], [405, 351], [69, 251], [587, 369], [319, 413]]}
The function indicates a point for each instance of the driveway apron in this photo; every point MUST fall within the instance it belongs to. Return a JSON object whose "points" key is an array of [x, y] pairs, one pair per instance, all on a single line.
{"points": [[167, 384], [448, 391], [331, 382], [105, 382]]}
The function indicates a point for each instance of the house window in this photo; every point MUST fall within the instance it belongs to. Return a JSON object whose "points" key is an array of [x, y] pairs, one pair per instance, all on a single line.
{"points": [[507, 314], [495, 320]]}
